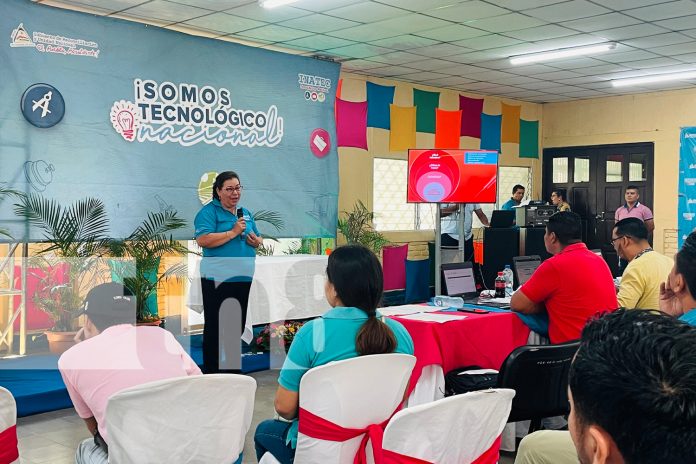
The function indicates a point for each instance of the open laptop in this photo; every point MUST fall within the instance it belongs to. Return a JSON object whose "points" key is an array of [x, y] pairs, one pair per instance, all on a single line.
{"points": [[525, 267], [458, 280], [501, 218], [597, 251]]}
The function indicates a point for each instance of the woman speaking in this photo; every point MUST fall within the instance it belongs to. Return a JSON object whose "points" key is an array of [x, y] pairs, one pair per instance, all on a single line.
{"points": [[229, 238]]}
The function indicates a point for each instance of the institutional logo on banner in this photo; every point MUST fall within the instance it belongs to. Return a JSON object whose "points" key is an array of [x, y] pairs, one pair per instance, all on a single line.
{"points": [[315, 87], [53, 43], [42, 105], [189, 114]]}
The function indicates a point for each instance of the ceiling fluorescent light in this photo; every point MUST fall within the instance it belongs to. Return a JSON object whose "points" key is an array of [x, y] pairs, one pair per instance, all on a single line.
{"points": [[562, 53], [275, 3], [652, 78]]}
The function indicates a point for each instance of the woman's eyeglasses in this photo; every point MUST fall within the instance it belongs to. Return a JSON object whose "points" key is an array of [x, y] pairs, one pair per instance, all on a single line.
{"points": [[233, 189]]}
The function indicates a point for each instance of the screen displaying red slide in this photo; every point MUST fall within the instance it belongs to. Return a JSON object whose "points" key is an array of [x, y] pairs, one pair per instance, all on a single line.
{"points": [[452, 176]]}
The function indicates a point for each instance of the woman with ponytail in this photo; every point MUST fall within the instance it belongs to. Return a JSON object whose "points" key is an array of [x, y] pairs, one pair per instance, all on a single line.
{"points": [[352, 328]]}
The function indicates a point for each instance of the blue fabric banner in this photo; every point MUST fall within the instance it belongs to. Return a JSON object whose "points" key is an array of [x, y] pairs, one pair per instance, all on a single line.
{"points": [[144, 118], [687, 183], [490, 131], [379, 97]]}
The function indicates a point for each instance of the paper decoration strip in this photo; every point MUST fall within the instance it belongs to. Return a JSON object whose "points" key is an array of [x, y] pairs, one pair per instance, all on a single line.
{"points": [[529, 139], [402, 135], [510, 131], [351, 124], [471, 116], [379, 97], [339, 87], [447, 128], [490, 131], [425, 103]]}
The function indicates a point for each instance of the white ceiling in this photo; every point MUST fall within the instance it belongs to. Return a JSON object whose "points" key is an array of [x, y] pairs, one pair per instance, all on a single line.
{"points": [[461, 45]]}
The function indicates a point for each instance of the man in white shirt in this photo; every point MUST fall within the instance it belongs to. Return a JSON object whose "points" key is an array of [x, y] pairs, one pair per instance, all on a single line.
{"points": [[449, 226]]}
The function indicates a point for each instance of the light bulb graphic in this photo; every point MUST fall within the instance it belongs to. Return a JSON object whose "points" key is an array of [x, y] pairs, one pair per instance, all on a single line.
{"points": [[125, 119]]}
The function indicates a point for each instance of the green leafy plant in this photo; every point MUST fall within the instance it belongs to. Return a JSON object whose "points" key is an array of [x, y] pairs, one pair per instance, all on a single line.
{"points": [[356, 226], [274, 219], [146, 246], [76, 236], [304, 246], [7, 192]]}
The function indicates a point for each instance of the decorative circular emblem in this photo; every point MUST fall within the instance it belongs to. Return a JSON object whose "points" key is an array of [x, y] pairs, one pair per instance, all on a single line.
{"points": [[42, 105], [320, 142]]}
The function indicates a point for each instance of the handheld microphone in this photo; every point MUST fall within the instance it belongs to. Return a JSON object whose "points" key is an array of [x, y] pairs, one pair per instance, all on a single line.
{"points": [[240, 215]]}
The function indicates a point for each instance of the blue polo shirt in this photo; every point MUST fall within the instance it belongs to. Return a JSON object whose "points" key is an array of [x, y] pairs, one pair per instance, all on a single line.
{"points": [[509, 205], [689, 317], [234, 260], [331, 337]]}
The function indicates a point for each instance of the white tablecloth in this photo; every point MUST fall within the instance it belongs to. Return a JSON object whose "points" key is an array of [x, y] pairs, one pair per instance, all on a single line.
{"points": [[284, 288]]}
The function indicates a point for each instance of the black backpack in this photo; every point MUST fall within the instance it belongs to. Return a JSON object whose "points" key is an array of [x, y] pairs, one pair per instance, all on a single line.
{"points": [[457, 381]]}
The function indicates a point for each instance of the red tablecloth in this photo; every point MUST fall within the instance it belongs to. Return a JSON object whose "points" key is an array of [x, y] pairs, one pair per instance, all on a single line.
{"points": [[478, 339]]}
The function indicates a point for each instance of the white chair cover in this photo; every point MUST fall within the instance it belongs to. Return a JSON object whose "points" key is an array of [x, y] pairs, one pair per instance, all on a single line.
{"points": [[353, 393], [196, 419], [455, 430], [430, 386], [8, 411]]}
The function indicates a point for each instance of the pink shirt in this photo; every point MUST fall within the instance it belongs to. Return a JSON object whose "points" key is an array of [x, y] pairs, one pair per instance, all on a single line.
{"points": [[639, 211], [120, 357]]}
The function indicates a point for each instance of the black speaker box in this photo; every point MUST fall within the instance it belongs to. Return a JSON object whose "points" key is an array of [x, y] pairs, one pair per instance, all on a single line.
{"points": [[532, 242], [499, 247]]}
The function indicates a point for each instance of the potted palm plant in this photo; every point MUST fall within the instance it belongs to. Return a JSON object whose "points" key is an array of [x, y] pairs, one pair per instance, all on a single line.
{"points": [[356, 227], [69, 265], [146, 246]]}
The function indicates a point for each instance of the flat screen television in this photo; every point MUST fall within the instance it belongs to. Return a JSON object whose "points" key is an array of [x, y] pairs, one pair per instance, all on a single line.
{"points": [[452, 176]]}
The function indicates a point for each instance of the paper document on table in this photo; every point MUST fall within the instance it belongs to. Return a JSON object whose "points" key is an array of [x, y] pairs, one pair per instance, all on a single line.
{"points": [[431, 317], [402, 310]]}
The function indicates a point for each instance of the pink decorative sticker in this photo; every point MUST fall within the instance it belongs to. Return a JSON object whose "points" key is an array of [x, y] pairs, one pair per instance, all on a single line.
{"points": [[320, 143]]}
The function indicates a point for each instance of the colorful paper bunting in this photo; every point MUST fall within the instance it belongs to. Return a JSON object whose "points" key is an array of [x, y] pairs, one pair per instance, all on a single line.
{"points": [[471, 116], [490, 131], [379, 97], [447, 128], [351, 124], [425, 103], [529, 139], [403, 128], [510, 131]]}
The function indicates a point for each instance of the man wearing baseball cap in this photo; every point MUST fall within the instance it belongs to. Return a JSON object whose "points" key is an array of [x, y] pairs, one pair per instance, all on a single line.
{"points": [[115, 355]]}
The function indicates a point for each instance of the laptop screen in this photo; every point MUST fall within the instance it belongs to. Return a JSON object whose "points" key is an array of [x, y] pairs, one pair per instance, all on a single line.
{"points": [[525, 267], [597, 251], [458, 279]]}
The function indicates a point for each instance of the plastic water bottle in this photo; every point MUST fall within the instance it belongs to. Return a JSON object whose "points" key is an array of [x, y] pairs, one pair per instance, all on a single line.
{"points": [[500, 285], [507, 273], [448, 301]]}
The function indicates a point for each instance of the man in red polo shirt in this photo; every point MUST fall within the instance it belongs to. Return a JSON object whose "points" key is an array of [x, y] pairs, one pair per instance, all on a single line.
{"points": [[571, 286]]}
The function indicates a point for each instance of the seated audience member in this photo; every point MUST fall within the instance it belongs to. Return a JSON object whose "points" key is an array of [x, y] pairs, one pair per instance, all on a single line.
{"points": [[115, 355], [635, 209], [352, 328], [516, 199], [571, 286], [678, 293], [558, 199], [632, 390], [647, 269]]}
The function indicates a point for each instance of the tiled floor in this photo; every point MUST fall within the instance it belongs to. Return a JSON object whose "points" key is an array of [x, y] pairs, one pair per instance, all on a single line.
{"points": [[54, 436]]}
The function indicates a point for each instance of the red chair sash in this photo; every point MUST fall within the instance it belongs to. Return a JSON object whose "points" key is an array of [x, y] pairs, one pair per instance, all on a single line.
{"points": [[322, 429], [8, 445], [490, 456]]}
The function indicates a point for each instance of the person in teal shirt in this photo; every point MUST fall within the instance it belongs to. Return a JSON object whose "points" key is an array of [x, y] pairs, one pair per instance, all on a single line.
{"points": [[678, 293], [516, 199], [352, 328], [229, 238]]}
